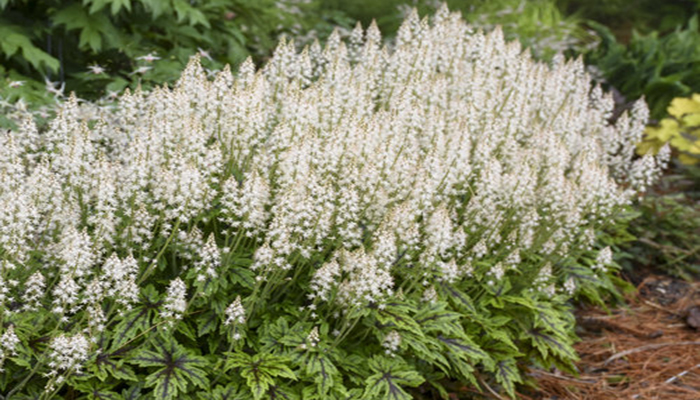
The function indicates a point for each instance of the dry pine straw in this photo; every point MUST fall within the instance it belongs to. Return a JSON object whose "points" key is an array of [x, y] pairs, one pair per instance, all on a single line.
{"points": [[644, 351]]}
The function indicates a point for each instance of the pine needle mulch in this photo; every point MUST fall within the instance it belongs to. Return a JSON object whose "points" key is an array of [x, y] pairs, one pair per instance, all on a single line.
{"points": [[648, 350]]}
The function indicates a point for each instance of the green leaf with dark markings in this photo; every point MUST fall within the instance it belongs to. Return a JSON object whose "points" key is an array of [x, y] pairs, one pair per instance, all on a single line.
{"points": [[465, 346], [389, 378], [260, 371], [138, 320], [507, 375], [321, 368], [176, 368], [547, 343]]}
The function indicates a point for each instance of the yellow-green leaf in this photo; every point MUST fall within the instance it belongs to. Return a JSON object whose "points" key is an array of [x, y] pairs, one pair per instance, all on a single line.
{"points": [[681, 106], [681, 143], [692, 120], [665, 131]]}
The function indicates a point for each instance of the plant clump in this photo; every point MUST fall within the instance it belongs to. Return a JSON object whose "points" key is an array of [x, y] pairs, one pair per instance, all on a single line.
{"points": [[351, 221]]}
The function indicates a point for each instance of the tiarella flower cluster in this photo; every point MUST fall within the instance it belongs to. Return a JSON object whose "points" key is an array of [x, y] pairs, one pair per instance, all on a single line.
{"points": [[68, 353], [391, 342], [8, 344], [313, 338], [175, 300], [235, 317], [604, 258]]}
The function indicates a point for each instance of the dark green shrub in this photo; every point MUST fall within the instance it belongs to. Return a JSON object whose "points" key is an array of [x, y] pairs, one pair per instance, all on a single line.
{"points": [[658, 67], [623, 16], [98, 46]]}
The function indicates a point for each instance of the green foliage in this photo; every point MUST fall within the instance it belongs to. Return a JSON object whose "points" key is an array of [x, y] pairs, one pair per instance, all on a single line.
{"points": [[14, 41], [259, 371], [537, 24], [176, 368], [668, 227], [96, 47], [658, 67], [499, 332], [389, 379], [621, 16]]}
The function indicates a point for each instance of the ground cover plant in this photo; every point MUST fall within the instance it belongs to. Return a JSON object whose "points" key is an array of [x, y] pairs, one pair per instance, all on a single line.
{"points": [[353, 221]]}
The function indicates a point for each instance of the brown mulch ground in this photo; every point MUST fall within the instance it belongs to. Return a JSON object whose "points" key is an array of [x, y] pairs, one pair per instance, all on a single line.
{"points": [[648, 350]]}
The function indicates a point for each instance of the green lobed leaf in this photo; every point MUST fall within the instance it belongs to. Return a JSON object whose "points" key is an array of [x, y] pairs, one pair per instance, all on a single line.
{"points": [[228, 392], [107, 366], [176, 368], [134, 322], [97, 390], [390, 375], [260, 371], [95, 29], [398, 316], [434, 317], [321, 368], [184, 10], [156, 7], [464, 347], [545, 344], [507, 375], [13, 39]]}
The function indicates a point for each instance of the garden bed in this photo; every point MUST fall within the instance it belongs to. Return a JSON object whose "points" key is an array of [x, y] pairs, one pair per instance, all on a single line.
{"points": [[646, 349]]}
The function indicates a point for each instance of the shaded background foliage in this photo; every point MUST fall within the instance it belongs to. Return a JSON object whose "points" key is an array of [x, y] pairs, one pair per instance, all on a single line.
{"points": [[98, 47], [51, 40], [58, 40]]}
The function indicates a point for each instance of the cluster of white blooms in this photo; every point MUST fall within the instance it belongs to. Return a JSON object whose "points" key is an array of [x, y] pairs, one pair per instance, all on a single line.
{"points": [[367, 281], [324, 279], [235, 313], [496, 272], [8, 344], [245, 205], [235, 317], [391, 342], [34, 291], [119, 280], [446, 149], [313, 338], [175, 301], [430, 295], [569, 286], [544, 282], [68, 353], [604, 258], [76, 256], [210, 259]]}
